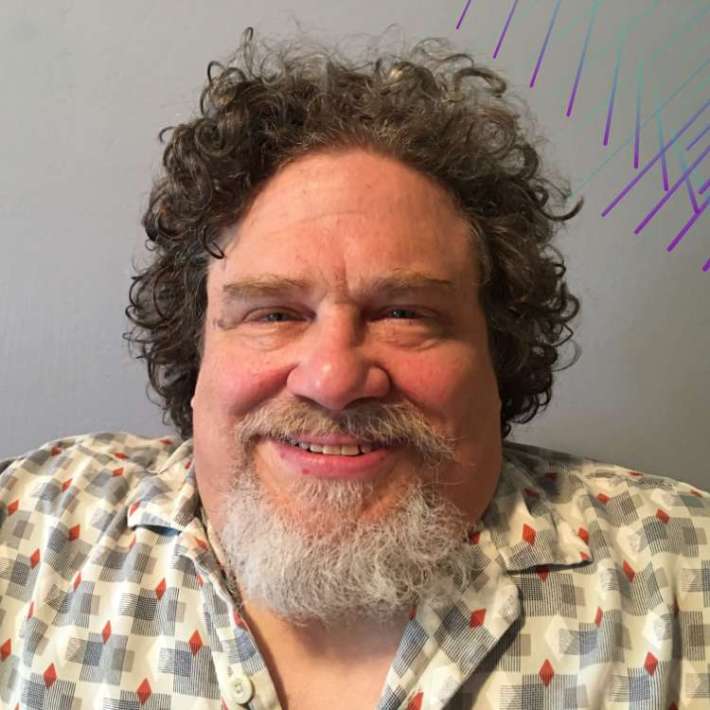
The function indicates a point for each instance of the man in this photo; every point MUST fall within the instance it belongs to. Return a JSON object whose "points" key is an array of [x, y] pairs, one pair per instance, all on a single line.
{"points": [[350, 300]]}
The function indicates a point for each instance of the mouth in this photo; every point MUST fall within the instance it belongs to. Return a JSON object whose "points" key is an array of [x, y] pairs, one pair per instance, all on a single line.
{"points": [[355, 449], [354, 461]]}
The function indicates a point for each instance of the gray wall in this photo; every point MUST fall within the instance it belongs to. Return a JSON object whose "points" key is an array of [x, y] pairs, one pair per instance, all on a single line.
{"points": [[86, 85]]}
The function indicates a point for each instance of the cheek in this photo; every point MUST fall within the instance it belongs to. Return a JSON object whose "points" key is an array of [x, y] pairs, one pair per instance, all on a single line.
{"points": [[457, 386], [229, 386]]}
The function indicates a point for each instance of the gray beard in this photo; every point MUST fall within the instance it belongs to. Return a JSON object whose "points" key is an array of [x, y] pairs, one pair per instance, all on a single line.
{"points": [[317, 560]]}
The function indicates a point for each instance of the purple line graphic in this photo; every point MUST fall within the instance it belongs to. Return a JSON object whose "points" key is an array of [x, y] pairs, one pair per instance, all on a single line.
{"points": [[533, 78], [664, 164], [634, 99], [691, 195], [653, 160], [612, 96], [463, 14], [688, 184], [505, 29], [698, 137], [686, 227], [667, 196], [581, 59], [637, 129]]}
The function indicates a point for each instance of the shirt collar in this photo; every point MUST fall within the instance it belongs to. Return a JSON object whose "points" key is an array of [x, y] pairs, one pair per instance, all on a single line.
{"points": [[534, 518], [167, 496], [522, 522]]}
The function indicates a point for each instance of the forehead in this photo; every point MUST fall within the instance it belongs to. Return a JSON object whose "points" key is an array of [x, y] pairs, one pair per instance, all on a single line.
{"points": [[346, 216]]}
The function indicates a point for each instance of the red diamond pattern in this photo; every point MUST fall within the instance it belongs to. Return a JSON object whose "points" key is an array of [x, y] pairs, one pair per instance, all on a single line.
{"points": [[66, 484], [629, 571], [201, 543], [31, 610], [55, 451], [474, 537], [195, 643], [13, 506], [542, 572], [598, 616], [74, 533], [143, 691], [34, 559], [50, 675], [696, 493], [117, 472], [584, 556], [241, 623], [167, 442], [663, 516], [546, 673], [134, 507], [160, 589], [188, 463], [529, 534], [477, 618], [583, 534], [106, 632], [121, 455], [5, 650], [416, 702], [650, 663], [77, 580], [603, 498]]}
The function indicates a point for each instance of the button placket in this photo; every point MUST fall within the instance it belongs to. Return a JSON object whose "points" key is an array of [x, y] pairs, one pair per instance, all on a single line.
{"points": [[242, 688]]}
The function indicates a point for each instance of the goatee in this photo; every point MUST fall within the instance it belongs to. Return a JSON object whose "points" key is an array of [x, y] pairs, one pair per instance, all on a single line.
{"points": [[318, 559]]}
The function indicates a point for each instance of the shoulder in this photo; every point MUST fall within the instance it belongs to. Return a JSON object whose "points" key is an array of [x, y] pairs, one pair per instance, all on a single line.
{"points": [[614, 506], [76, 476], [99, 447], [612, 489], [86, 454]]}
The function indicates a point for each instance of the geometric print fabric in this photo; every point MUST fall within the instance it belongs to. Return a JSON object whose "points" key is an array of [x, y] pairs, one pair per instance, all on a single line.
{"points": [[592, 591]]}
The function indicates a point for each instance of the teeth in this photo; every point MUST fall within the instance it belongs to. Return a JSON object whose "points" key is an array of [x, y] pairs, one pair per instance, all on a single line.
{"points": [[332, 450]]}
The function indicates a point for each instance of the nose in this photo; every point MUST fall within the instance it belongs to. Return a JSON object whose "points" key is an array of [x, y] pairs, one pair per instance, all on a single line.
{"points": [[333, 367]]}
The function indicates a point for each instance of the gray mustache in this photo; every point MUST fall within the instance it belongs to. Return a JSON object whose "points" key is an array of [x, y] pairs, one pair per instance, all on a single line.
{"points": [[397, 424]]}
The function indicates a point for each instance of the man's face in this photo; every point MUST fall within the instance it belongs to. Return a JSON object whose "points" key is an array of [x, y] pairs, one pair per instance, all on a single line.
{"points": [[347, 304]]}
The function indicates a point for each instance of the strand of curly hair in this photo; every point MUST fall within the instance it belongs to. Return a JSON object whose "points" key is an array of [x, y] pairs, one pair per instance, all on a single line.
{"points": [[431, 108]]}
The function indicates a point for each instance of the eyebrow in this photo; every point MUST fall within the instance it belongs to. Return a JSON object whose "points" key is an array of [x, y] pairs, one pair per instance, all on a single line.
{"points": [[399, 283]]}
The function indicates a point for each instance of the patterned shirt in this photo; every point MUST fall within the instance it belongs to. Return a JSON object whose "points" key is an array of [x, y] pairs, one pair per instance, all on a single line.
{"points": [[592, 591]]}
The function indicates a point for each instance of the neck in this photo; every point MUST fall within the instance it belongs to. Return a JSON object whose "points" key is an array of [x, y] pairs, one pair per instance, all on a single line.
{"points": [[356, 640]]}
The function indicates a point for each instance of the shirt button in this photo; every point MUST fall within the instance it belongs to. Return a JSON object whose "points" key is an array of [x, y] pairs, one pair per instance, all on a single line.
{"points": [[242, 688]]}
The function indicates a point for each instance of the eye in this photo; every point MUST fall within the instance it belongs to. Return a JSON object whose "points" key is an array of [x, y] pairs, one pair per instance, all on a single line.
{"points": [[270, 316], [403, 314]]}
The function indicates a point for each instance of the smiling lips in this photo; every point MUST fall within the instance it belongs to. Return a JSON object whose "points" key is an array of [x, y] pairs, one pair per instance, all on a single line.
{"points": [[332, 449], [327, 457]]}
